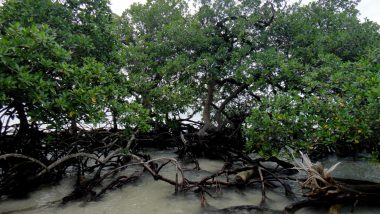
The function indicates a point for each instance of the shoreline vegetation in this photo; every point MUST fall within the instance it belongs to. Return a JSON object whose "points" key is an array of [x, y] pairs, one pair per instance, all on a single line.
{"points": [[267, 77]]}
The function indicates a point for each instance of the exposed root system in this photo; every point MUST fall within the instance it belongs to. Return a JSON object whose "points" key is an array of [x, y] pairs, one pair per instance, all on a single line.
{"points": [[100, 159]]}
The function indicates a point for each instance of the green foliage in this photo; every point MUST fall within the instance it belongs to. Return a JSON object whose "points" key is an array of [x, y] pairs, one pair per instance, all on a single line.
{"points": [[61, 62], [332, 26], [180, 54], [326, 81], [31, 61], [156, 67], [343, 108], [86, 96]]}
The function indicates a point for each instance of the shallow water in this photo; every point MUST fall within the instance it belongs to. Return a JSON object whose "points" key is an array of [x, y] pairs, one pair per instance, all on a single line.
{"points": [[149, 196], [359, 170]]}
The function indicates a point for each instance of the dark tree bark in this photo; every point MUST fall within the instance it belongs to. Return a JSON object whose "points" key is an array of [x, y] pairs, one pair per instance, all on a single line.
{"points": [[73, 126], [218, 114], [114, 120], [21, 114]]}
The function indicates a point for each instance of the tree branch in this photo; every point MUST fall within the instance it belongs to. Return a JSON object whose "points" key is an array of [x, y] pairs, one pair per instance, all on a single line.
{"points": [[218, 114]]}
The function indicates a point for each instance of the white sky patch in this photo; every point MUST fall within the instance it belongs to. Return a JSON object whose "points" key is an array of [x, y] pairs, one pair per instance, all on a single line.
{"points": [[368, 8], [119, 6]]}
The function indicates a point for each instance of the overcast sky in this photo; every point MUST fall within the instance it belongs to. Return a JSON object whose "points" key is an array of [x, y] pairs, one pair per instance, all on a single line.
{"points": [[367, 8]]}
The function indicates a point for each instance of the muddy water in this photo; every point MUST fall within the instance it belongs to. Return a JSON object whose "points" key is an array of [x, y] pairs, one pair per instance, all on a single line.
{"points": [[149, 196]]}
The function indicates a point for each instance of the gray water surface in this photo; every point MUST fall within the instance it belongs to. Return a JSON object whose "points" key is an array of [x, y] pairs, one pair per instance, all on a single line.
{"points": [[150, 196]]}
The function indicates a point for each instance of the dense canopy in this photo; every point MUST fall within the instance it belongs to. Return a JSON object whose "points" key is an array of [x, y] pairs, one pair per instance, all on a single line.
{"points": [[266, 74]]}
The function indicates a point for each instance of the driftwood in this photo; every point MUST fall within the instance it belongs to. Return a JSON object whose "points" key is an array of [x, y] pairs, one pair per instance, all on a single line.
{"points": [[244, 176], [325, 191]]}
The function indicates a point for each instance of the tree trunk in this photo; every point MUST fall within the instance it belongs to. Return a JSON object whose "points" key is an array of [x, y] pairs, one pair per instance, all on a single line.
{"points": [[73, 126], [24, 125], [114, 120], [206, 117]]}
